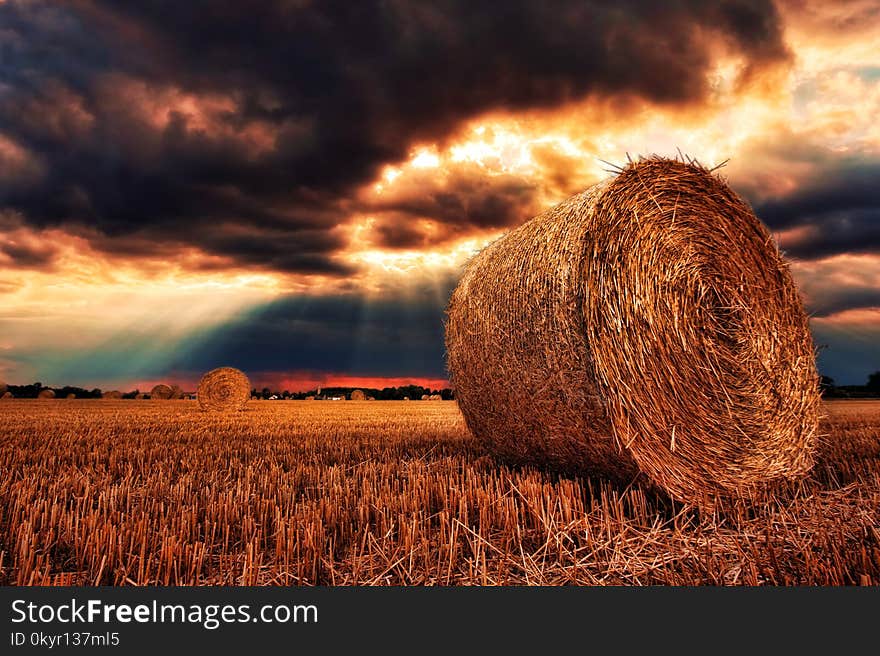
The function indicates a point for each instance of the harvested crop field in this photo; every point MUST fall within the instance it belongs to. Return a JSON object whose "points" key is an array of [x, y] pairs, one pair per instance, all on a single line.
{"points": [[120, 492]]}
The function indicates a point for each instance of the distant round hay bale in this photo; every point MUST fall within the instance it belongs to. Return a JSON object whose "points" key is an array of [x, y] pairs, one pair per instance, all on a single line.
{"points": [[161, 391], [46, 394], [177, 393], [6, 395], [425, 397], [139, 396], [112, 394], [71, 396], [310, 398], [406, 398], [224, 388], [371, 398], [647, 324], [358, 395]]}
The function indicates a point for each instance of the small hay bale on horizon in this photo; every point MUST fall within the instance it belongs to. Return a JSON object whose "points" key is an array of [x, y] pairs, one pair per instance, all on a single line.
{"points": [[46, 394], [646, 325], [7, 395], [309, 398], [224, 389], [358, 395], [161, 392], [112, 395], [71, 396], [425, 397]]}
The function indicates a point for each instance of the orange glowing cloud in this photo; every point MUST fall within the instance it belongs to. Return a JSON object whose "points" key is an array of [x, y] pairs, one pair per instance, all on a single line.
{"points": [[206, 115]]}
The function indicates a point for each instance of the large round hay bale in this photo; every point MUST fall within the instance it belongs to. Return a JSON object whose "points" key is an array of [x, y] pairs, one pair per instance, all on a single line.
{"points": [[358, 395], [177, 393], [647, 324], [225, 388], [161, 391], [46, 394], [112, 394]]}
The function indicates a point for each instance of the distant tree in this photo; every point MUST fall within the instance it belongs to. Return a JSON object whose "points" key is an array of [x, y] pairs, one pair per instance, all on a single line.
{"points": [[874, 382], [826, 385]]}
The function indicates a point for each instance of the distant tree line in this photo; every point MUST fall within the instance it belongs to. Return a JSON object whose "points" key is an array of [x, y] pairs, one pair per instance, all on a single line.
{"points": [[32, 391], [869, 390], [412, 392]]}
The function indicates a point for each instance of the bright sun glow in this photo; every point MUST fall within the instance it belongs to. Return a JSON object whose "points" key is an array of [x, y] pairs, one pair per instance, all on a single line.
{"points": [[425, 159]]}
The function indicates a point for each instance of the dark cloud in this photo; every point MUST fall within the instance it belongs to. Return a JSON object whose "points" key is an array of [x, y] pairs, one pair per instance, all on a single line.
{"points": [[401, 232], [844, 188], [856, 231], [838, 211], [183, 121], [25, 255], [426, 208], [843, 298], [494, 202]]}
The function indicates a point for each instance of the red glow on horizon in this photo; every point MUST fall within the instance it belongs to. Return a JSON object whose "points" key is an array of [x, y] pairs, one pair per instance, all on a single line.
{"points": [[297, 381], [302, 382]]}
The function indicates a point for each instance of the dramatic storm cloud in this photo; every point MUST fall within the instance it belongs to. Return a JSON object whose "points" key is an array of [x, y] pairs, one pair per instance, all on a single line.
{"points": [[184, 122], [294, 186], [837, 212]]}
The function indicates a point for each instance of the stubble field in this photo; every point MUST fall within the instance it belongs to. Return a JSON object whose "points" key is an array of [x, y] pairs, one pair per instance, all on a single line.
{"points": [[379, 493]]}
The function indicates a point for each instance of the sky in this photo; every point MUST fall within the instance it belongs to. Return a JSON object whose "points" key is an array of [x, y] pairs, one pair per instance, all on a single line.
{"points": [[292, 187]]}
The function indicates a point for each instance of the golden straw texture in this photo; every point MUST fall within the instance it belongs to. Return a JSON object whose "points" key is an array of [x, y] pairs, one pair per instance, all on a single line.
{"points": [[647, 324], [225, 388]]}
